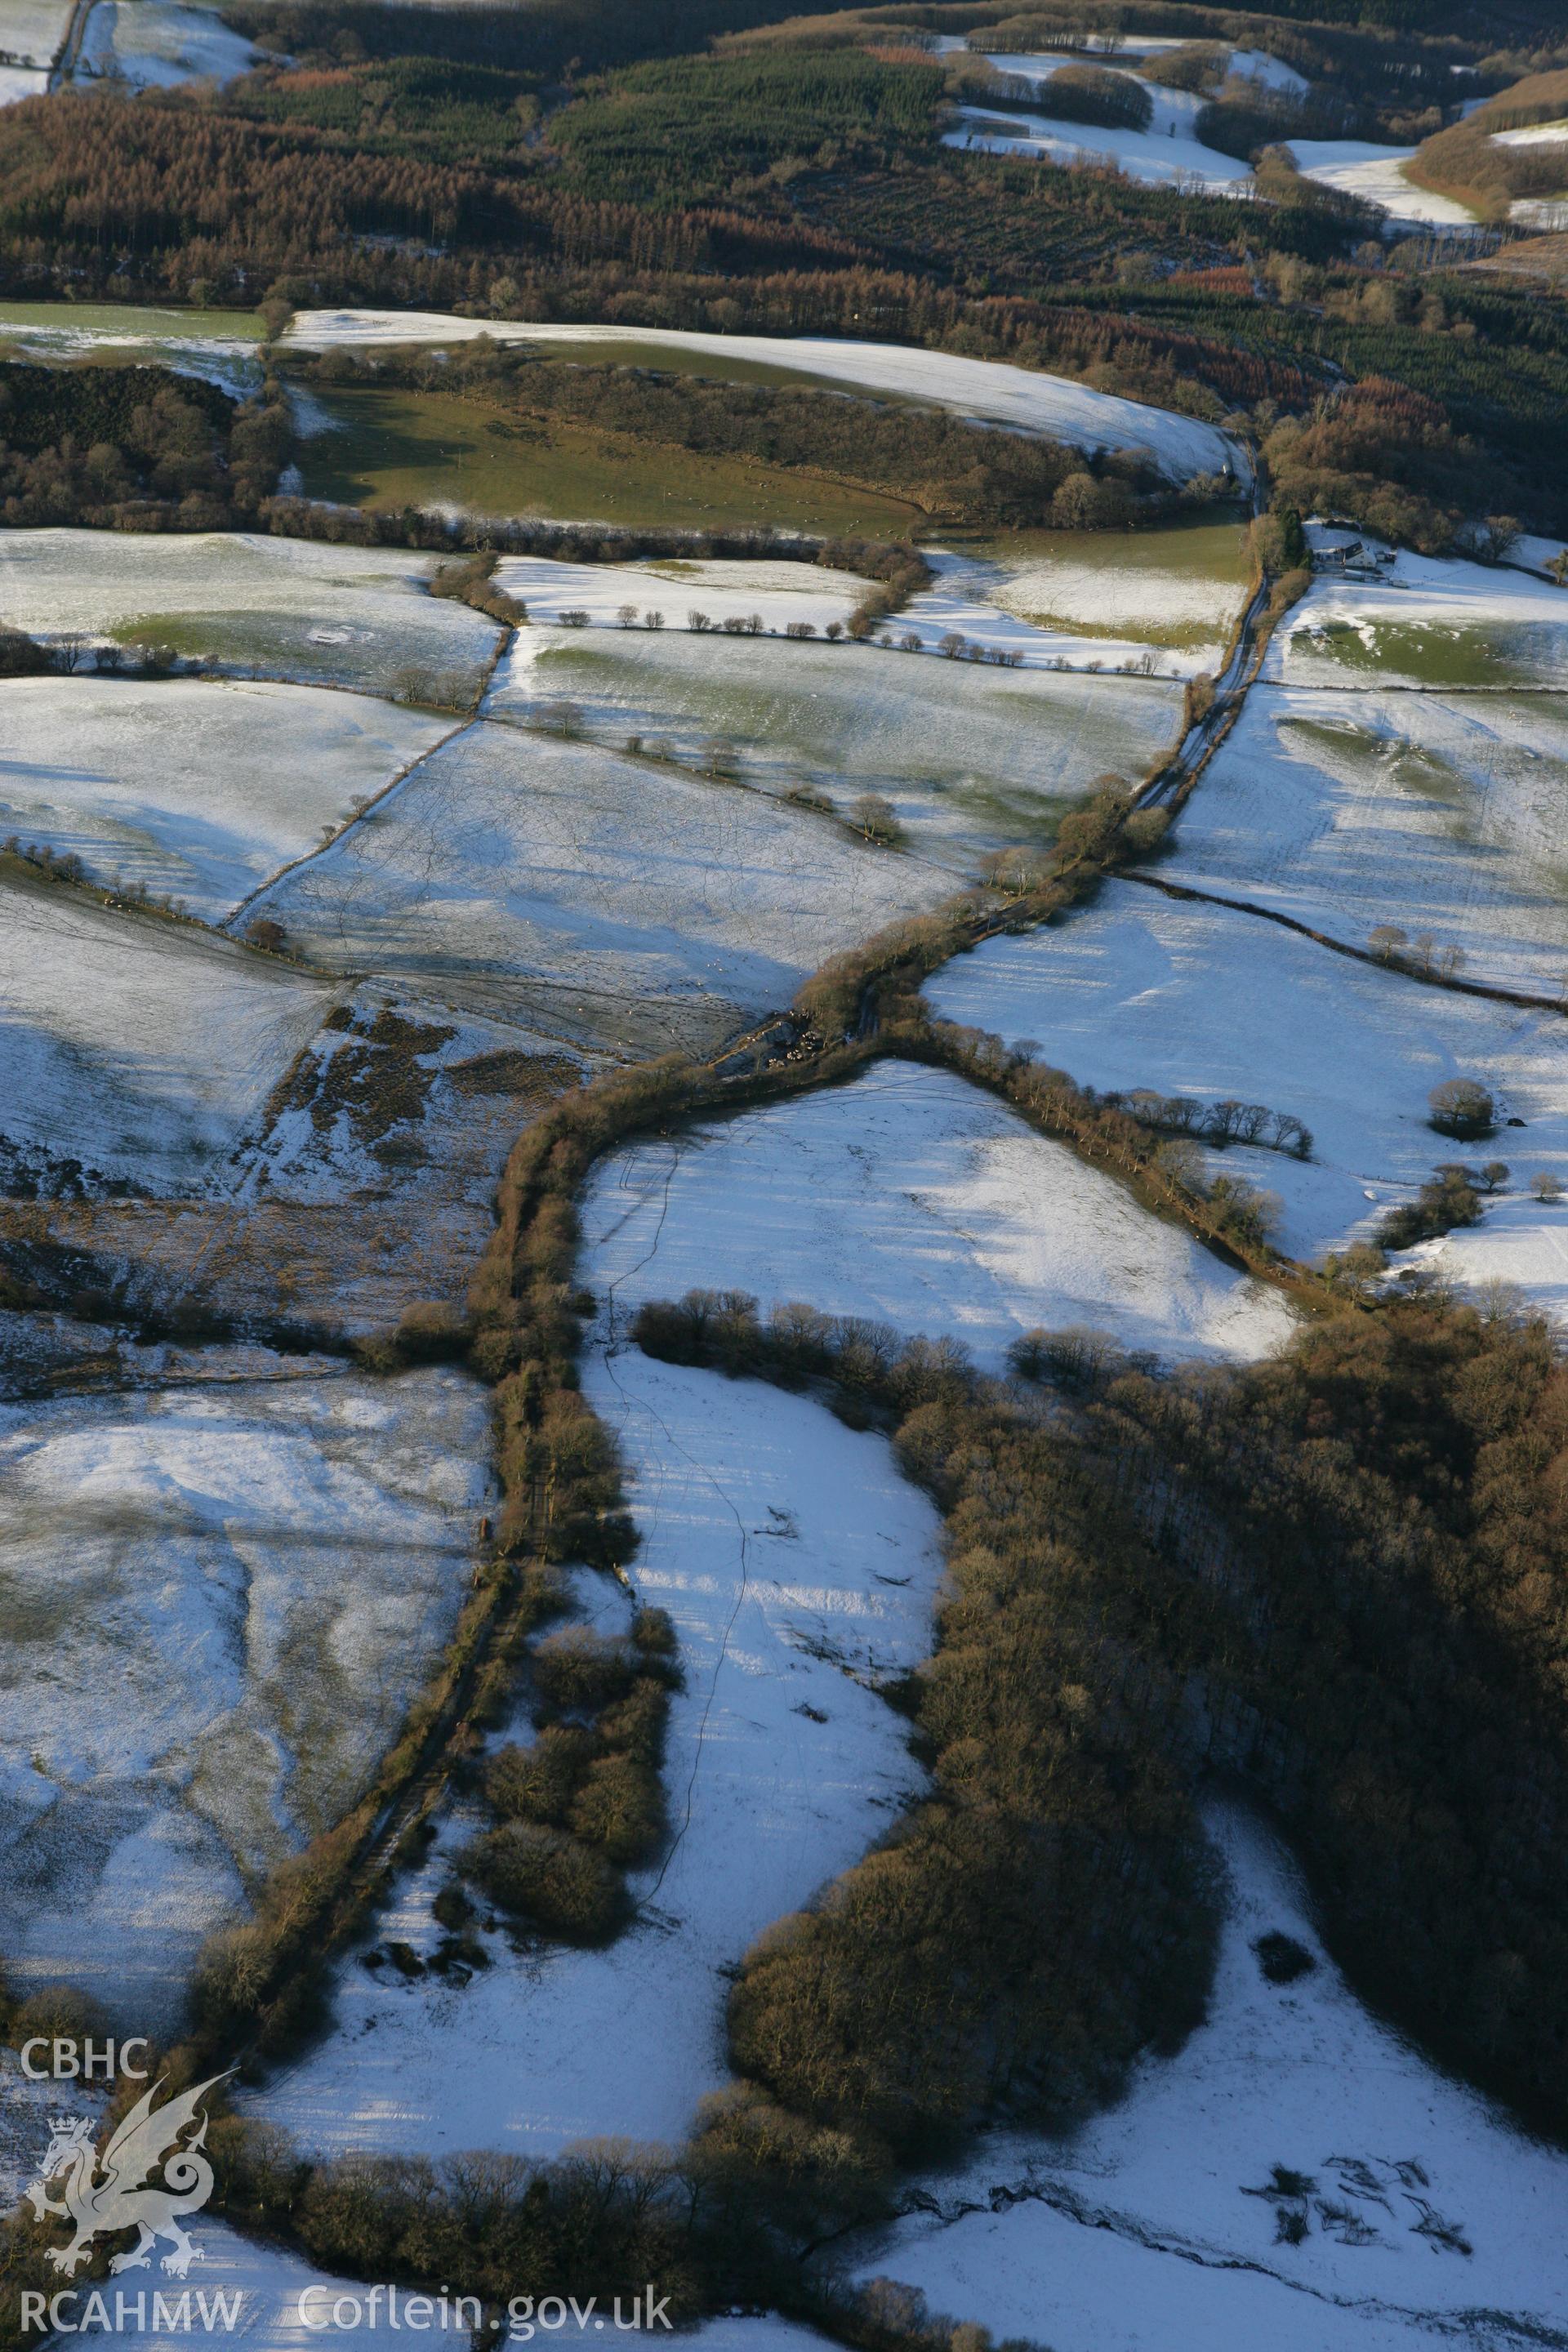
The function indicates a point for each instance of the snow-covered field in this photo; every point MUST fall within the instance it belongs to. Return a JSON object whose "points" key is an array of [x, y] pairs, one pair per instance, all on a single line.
{"points": [[971, 757], [1043, 612], [1132, 51], [369, 1181], [793, 1557], [599, 896], [141, 1047], [1147, 2228], [1257, 65], [339, 615], [154, 45], [989, 389], [776, 593], [1425, 621], [1533, 551], [1444, 814], [1053, 612], [1140, 990], [198, 790], [917, 1199], [219, 1588], [1376, 175], [31, 31], [1166, 154], [1534, 134], [18, 82]]}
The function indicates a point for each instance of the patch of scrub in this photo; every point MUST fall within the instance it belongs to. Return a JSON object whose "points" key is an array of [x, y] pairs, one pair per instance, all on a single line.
{"points": [[141, 1047], [1297, 2176], [799, 1567], [1425, 621], [396, 1096], [155, 45], [1142, 991], [335, 616], [915, 1198], [196, 790], [38, 1350], [366, 1180], [595, 897], [1444, 815], [972, 757], [219, 1589], [992, 389], [25, 2108]]}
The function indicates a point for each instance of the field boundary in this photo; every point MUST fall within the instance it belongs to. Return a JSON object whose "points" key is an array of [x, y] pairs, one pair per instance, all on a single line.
{"points": [[1393, 963]]}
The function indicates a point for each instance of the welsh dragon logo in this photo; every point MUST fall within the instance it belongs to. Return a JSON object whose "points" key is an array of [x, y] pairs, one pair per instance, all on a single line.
{"points": [[99, 2201]]}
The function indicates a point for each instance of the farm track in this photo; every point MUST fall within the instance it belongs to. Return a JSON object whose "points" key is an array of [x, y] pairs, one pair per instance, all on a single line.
{"points": [[1174, 784]]}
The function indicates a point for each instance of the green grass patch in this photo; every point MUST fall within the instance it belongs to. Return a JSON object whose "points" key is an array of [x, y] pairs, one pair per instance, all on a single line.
{"points": [[130, 322], [399, 448], [1433, 654], [275, 644], [1068, 579], [1209, 544]]}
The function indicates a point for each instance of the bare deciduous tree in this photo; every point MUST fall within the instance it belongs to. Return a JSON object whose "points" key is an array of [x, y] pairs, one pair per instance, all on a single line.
{"points": [[877, 819], [1461, 1107]]}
